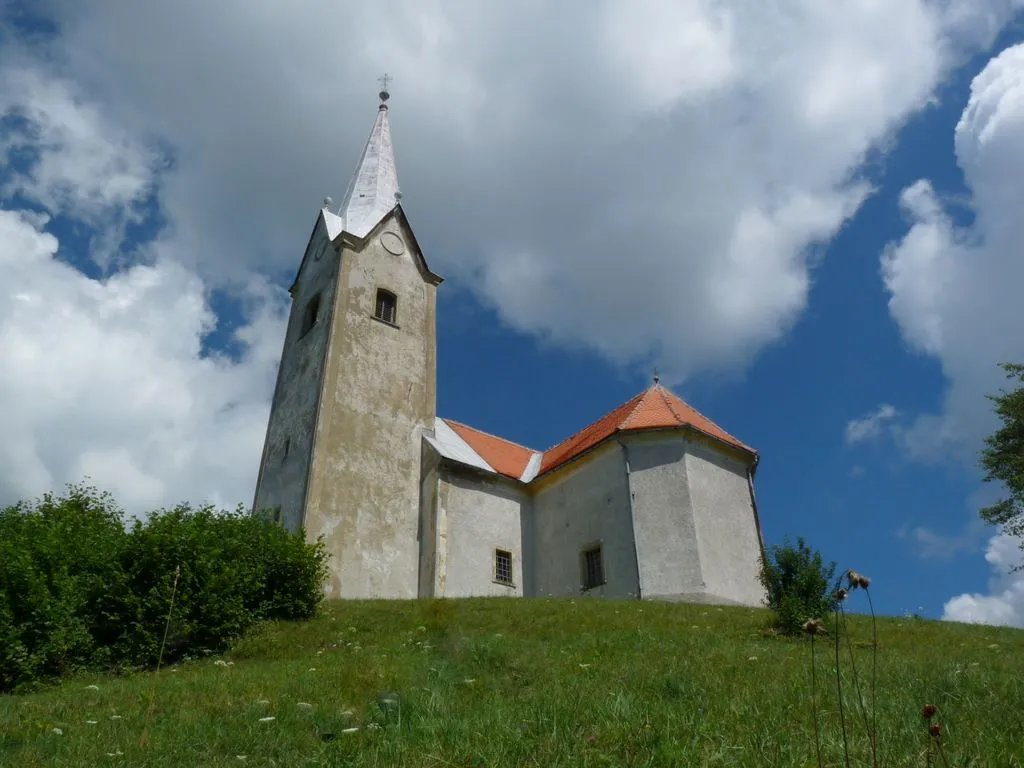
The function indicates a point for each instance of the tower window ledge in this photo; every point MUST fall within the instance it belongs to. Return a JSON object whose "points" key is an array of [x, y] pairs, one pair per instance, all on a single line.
{"points": [[385, 322]]}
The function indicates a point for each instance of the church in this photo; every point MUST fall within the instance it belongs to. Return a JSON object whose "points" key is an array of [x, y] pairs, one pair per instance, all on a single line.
{"points": [[650, 501]]}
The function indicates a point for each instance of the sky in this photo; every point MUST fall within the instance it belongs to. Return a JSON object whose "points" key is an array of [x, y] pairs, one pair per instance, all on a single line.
{"points": [[805, 215]]}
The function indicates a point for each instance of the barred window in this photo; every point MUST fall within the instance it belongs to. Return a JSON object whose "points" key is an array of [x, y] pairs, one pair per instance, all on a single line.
{"points": [[385, 308], [593, 568], [503, 566]]}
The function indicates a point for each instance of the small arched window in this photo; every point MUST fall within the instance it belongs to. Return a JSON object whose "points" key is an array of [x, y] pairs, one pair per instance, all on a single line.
{"points": [[386, 306], [310, 316]]}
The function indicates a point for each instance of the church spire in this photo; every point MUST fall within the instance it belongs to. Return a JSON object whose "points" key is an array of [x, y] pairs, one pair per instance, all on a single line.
{"points": [[373, 190]]}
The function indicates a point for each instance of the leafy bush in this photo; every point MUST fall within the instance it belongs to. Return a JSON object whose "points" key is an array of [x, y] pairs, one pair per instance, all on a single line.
{"points": [[798, 583], [80, 591], [60, 577], [236, 569]]}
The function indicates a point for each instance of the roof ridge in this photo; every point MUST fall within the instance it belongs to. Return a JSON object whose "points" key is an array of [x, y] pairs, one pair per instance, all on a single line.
{"points": [[624, 424], [490, 434], [668, 404], [601, 418], [687, 422]]}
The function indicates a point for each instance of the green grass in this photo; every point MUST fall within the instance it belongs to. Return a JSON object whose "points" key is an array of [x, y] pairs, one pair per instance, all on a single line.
{"points": [[543, 682]]}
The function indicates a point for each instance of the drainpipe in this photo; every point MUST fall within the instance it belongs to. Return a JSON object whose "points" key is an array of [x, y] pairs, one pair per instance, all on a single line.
{"points": [[753, 503], [632, 517]]}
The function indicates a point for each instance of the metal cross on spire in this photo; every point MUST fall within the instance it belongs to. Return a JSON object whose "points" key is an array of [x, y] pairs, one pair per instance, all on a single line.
{"points": [[384, 95], [654, 372]]}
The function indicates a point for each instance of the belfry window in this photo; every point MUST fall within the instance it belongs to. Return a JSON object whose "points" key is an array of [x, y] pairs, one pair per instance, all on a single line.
{"points": [[502, 566], [386, 306], [593, 567], [311, 315]]}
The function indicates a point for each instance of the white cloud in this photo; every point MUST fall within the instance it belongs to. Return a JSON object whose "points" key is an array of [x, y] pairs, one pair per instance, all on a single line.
{"points": [[955, 296], [643, 180], [954, 290], [79, 163], [870, 426], [1004, 604], [105, 378]]}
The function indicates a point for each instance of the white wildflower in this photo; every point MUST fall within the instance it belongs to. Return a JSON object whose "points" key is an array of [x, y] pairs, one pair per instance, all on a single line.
{"points": [[92, 687], [304, 705], [584, 666], [263, 701], [115, 717], [349, 730], [90, 722], [311, 669], [115, 753], [242, 757], [58, 731], [267, 719]]}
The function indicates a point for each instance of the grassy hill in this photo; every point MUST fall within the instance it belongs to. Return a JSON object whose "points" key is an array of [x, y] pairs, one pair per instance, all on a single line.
{"points": [[545, 682]]}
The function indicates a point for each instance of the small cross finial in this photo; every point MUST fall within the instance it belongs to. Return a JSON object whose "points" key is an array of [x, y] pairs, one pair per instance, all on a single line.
{"points": [[656, 377], [384, 95]]}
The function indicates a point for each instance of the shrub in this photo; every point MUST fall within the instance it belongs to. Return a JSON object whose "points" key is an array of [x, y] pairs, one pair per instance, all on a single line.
{"points": [[79, 591], [59, 582], [236, 570], [798, 584]]}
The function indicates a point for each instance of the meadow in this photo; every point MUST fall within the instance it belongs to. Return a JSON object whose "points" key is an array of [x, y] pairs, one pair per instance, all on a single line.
{"points": [[537, 682]]}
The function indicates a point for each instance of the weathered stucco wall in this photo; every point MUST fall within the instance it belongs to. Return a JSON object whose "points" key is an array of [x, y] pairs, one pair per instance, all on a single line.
{"points": [[730, 545], [584, 504], [666, 537], [379, 397], [429, 479], [482, 514], [282, 478], [695, 528]]}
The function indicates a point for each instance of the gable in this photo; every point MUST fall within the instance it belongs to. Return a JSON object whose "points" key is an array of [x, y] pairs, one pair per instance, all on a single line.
{"points": [[329, 228], [326, 229], [394, 225]]}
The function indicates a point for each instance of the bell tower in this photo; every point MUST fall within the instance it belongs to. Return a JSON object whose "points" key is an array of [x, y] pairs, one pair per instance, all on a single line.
{"points": [[356, 386]]}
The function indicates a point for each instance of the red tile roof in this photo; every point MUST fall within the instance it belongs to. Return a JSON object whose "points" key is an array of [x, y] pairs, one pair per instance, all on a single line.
{"points": [[655, 408], [507, 458]]}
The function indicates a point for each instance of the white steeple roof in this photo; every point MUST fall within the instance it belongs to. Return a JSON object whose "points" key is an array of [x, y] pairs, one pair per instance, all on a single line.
{"points": [[373, 190]]}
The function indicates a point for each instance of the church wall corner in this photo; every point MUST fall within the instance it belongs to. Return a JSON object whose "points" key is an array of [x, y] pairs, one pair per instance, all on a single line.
{"points": [[729, 538]]}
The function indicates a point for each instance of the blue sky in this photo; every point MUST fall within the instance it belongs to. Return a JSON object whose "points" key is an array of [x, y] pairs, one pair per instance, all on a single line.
{"points": [[192, 182]]}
